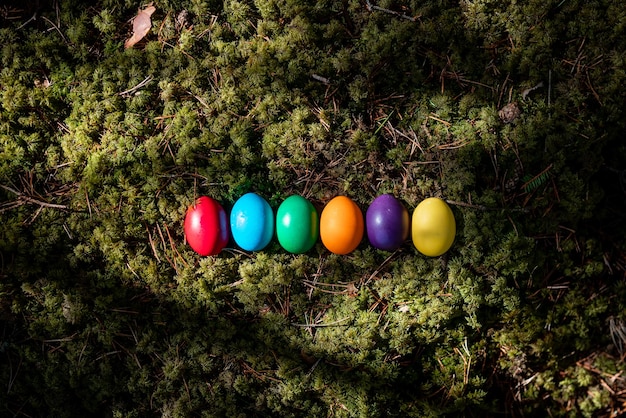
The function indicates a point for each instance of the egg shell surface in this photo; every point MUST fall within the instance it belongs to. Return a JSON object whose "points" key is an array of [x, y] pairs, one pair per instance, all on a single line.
{"points": [[433, 227], [252, 222], [387, 223], [297, 224], [206, 226], [341, 225]]}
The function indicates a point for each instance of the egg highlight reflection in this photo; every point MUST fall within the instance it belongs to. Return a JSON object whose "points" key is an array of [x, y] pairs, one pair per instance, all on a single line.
{"points": [[341, 225], [387, 223], [433, 227], [252, 222]]}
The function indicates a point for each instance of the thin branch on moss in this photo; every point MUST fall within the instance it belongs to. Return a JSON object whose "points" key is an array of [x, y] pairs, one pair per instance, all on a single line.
{"points": [[21, 197], [13, 374], [413, 139], [137, 87], [152, 245], [617, 328], [330, 324], [484, 208], [174, 249], [55, 27], [380, 267], [33, 17], [321, 79], [348, 289], [595, 94], [549, 87], [169, 260], [236, 251], [371, 7]]}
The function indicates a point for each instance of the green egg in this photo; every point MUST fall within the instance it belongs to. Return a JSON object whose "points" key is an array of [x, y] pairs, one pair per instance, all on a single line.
{"points": [[297, 224]]}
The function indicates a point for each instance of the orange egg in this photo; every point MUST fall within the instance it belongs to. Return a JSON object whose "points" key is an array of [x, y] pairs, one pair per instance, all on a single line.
{"points": [[341, 225]]}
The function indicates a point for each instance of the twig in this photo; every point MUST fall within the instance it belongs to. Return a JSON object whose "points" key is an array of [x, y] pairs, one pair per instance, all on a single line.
{"points": [[235, 283], [33, 17], [235, 251], [174, 249], [55, 27], [445, 122], [60, 340], [348, 288], [9, 205], [169, 260], [453, 145], [330, 324], [137, 87], [110, 353], [27, 199], [484, 208], [154, 250], [595, 94], [413, 139], [321, 79], [371, 7], [82, 351], [617, 329], [549, 86], [380, 267], [13, 375], [88, 203]]}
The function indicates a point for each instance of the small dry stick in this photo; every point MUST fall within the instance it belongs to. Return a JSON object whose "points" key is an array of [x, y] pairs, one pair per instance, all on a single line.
{"points": [[33, 17], [137, 87], [482, 207], [371, 7], [174, 249], [330, 324], [27, 199], [321, 79], [380, 267], [154, 250], [55, 27], [549, 86]]}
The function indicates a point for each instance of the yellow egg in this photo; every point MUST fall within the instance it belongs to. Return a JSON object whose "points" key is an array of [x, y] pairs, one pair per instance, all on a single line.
{"points": [[433, 227]]}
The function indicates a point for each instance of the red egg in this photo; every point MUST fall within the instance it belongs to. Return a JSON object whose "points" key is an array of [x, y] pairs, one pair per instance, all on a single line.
{"points": [[206, 226]]}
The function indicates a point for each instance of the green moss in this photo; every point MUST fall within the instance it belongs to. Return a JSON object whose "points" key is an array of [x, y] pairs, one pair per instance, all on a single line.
{"points": [[105, 310]]}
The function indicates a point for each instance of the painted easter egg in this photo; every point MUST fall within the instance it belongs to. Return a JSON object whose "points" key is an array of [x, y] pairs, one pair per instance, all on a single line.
{"points": [[206, 226], [297, 224], [387, 223], [433, 227], [341, 225], [252, 222]]}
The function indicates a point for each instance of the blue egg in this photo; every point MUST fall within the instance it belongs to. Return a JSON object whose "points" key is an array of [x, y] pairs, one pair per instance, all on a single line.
{"points": [[252, 222]]}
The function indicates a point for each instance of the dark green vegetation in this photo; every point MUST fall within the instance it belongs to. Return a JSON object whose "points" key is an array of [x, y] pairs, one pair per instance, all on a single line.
{"points": [[512, 110]]}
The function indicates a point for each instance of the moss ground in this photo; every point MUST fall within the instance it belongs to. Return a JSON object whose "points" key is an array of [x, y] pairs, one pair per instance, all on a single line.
{"points": [[511, 111]]}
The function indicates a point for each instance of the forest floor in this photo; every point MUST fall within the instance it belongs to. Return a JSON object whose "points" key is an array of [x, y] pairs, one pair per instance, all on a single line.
{"points": [[115, 116]]}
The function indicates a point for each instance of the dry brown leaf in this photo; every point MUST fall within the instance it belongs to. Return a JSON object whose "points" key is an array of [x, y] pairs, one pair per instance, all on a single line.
{"points": [[141, 26]]}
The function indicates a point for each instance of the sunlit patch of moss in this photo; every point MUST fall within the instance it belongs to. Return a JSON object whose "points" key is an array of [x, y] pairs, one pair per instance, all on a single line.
{"points": [[102, 149]]}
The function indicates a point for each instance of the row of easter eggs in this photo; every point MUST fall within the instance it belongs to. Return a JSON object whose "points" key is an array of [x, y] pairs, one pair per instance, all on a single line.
{"points": [[341, 225]]}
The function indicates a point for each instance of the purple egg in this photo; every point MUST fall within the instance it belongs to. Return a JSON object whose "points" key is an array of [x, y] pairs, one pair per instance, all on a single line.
{"points": [[387, 223]]}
